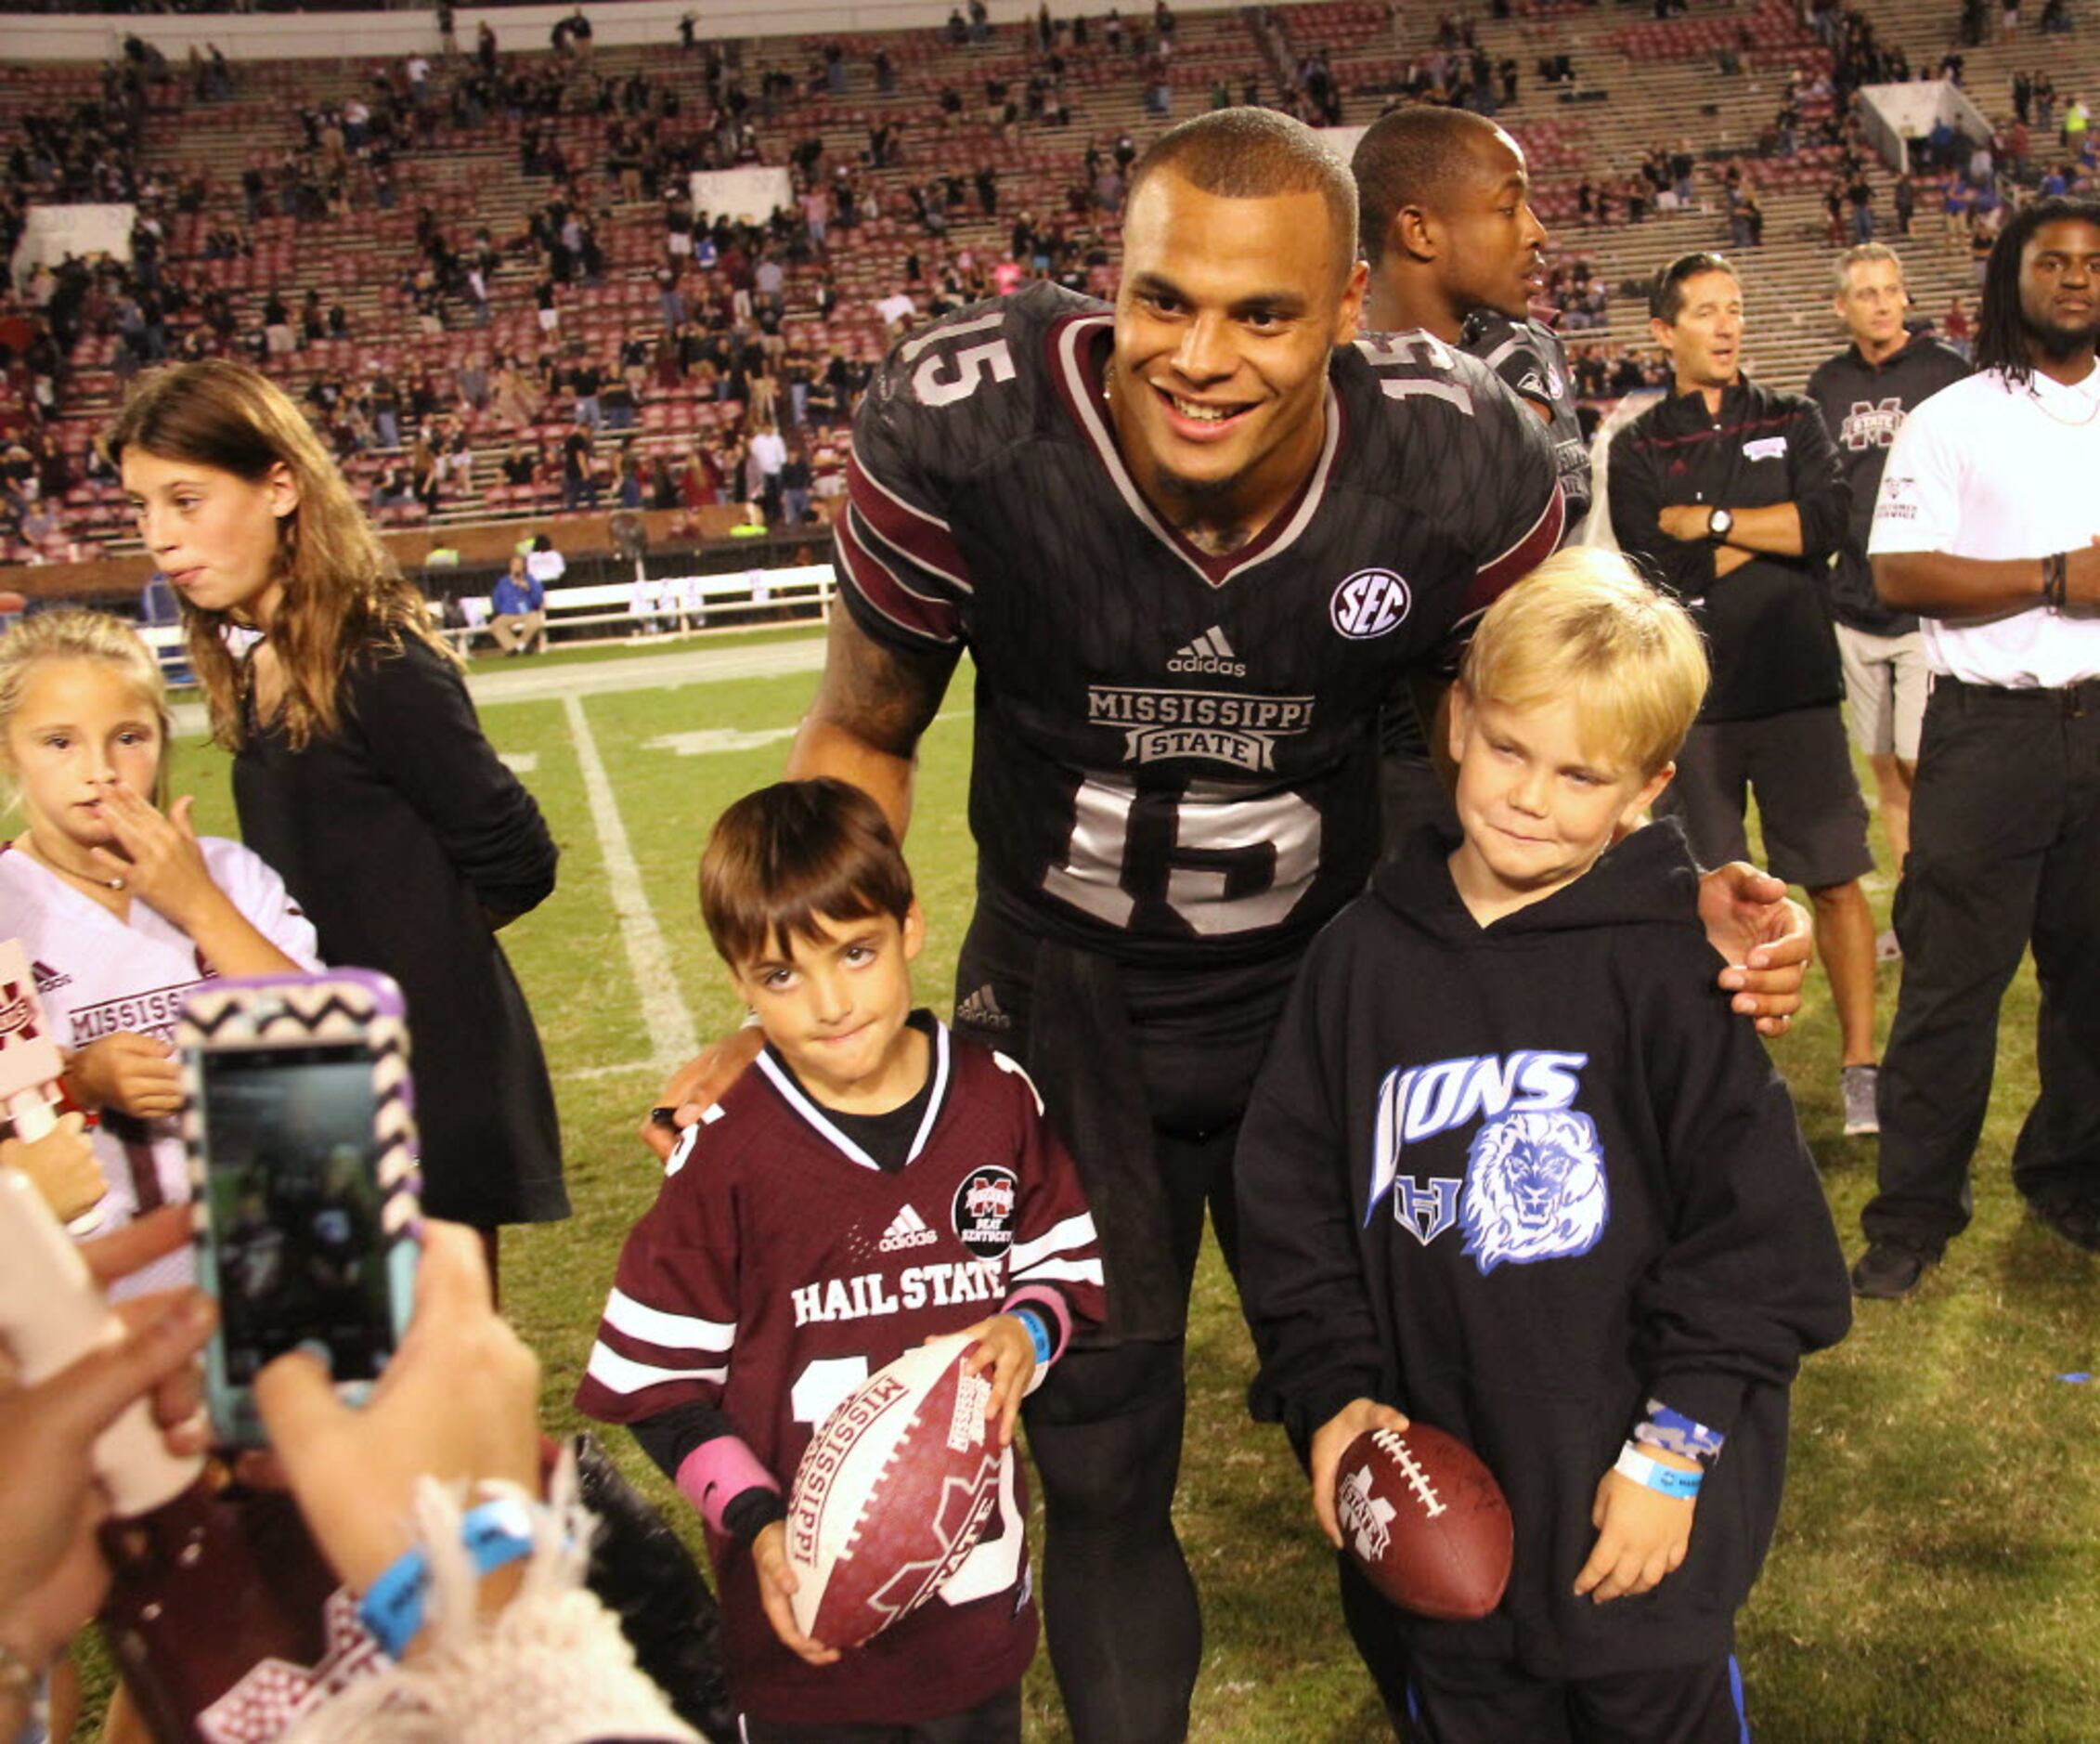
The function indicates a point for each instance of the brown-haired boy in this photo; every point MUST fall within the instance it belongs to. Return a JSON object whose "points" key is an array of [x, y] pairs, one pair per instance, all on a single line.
{"points": [[874, 1183]]}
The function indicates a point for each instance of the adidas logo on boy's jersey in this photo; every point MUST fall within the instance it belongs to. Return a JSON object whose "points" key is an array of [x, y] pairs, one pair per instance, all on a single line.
{"points": [[907, 1228], [1209, 653]]}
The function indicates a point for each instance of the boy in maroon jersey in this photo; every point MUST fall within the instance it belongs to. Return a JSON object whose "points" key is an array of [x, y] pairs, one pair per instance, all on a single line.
{"points": [[875, 1183]]}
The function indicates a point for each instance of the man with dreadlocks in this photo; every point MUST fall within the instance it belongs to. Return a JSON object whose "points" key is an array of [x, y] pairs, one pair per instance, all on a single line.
{"points": [[1987, 528]]}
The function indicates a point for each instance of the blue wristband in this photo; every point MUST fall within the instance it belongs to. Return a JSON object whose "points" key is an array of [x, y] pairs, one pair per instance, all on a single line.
{"points": [[496, 1533], [1651, 1474], [1676, 1433], [1039, 1334]]}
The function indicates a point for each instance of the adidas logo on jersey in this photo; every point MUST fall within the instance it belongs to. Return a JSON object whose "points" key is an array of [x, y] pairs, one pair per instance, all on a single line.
{"points": [[907, 1228], [1209, 653], [981, 1011]]}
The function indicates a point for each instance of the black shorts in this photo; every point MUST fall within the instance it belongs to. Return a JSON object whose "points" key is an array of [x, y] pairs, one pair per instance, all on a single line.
{"points": [[1145, 1074], [1798, 766]]}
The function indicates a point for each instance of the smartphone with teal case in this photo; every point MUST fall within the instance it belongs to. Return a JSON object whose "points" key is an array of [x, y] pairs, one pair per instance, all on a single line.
{"points": [[299, 1116]]}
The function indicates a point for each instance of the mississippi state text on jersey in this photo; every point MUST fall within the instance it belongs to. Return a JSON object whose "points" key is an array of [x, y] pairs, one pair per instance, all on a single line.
{"points": [[780, 1268], [1527, 354], [1173, 746]]}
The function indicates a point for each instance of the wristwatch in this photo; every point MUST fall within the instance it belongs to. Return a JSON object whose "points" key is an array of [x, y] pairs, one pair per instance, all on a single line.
{"points": [[1720, 524]]}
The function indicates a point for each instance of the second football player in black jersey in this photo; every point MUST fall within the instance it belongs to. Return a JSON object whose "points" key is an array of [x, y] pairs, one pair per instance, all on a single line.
{"points": [[1456, 250]]}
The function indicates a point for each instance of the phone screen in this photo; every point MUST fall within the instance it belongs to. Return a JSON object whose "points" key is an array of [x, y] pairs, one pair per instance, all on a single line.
{"points": [[291, 1174]]}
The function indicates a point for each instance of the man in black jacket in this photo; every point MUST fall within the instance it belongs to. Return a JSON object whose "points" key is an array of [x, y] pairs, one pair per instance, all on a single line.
{"points": [[1734, 498], [1864, 393]]}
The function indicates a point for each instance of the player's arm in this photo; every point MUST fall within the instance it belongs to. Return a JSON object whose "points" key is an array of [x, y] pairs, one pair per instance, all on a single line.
{"points": [[1774, 531], [1661, 534], [1918, 517], [874, 703], [1811, 523], [1940, 585]]}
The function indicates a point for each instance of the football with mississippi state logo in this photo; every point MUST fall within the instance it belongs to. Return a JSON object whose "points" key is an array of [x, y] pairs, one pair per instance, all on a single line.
{"points": [[891, 1495], [1426, 1521]]}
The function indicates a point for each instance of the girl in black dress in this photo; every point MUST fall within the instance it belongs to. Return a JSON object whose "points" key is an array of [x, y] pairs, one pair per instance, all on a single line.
{"points": [[360, 772]]}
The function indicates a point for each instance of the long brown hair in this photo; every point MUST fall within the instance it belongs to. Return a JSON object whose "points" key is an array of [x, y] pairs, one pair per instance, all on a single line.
{"points": [[341, 589]]}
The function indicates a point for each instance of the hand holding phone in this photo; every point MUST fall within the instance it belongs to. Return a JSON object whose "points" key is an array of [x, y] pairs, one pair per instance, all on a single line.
{"points": [[302, 1136]]}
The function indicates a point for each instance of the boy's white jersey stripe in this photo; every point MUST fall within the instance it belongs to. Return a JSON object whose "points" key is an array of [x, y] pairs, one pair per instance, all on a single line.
{"points": [[677, 1332], [1056, 1270], [1073, 1232], [623, 1375]]}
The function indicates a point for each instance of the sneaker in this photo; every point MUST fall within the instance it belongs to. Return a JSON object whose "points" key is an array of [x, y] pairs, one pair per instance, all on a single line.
{"points": [[1887, 950], [1889, 1271], [2077, 1220], [1857, 1085]]}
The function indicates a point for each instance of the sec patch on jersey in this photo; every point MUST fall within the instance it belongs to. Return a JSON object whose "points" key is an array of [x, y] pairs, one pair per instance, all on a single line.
{"points": [[891, 1495], [1426, 1521]]}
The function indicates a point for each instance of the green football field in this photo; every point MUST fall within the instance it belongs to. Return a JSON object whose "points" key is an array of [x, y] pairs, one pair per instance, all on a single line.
{"points": [[1936, 1575]]}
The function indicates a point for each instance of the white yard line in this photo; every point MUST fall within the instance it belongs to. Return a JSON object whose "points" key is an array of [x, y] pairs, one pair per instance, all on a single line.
{"points": [[672, 1040], [525, 681]]}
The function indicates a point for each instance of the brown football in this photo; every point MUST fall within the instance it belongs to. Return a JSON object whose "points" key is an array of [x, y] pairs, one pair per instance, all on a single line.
{"points": [[1426, 1521]]}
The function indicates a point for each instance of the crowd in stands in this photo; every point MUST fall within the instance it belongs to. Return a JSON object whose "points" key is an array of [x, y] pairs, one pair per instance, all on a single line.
{"points": [[750, 317]]}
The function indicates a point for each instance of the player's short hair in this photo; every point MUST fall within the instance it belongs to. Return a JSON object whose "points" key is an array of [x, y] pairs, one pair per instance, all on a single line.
{"points": [[783, 860], [76, 634], [1407, 158], [1251, 154], [1585, 628], [1857, 255], [1666, 295]]}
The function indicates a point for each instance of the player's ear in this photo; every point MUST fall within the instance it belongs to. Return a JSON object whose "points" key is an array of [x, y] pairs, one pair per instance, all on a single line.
{"points": [[283, 488], [1416, 232], [1459, 716], [914, 930], [1661, 331], [1349, 317], [1650, 790]]}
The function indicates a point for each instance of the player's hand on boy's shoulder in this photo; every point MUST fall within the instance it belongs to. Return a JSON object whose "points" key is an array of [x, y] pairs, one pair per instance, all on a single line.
{"points": [[698, 1086], [776, 1587], [1765, 936], [1641, 1534], [1006, 1353], [1330, 1441]]}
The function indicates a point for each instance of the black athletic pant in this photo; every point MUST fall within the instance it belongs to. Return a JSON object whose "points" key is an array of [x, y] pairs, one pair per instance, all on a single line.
{"points": [[1489, 1701], [1146, 1075], [2005, 850]]}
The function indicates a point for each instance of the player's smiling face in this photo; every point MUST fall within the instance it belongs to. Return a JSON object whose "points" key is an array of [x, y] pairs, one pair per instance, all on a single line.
{"points": [[1227, 316], [1537, 805], [835, 1007]]}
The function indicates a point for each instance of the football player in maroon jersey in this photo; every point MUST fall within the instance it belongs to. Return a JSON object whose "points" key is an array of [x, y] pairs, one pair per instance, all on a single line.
{"points": [[1191, 545]]}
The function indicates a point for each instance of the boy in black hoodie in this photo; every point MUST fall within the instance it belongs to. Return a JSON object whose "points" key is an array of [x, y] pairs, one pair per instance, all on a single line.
{"points": [[1511, 1166]]}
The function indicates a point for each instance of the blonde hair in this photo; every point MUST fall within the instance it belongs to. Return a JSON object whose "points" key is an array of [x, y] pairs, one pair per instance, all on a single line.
{"points": [[342, 587], [75, 633], [1585, 628]]}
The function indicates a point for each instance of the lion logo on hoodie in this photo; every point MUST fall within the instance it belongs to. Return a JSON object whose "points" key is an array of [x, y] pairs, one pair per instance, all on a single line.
{"points": [[1534, 1188]]}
